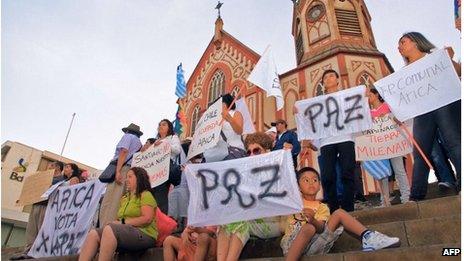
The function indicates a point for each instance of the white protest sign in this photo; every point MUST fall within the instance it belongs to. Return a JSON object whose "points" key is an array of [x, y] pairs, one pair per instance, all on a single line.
{"points": [[69, 214], [385, 140], [208, 130], [423, 86], [242, 189], [156, 161], [334, 114]]}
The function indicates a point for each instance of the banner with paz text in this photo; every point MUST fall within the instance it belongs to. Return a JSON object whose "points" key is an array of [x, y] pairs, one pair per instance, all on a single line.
{"points": [[242, 189], [334, 114], [423, 86]]}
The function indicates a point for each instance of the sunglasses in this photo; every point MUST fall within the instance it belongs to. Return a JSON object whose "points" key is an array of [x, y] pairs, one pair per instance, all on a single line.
{"points": [[255, 151]]}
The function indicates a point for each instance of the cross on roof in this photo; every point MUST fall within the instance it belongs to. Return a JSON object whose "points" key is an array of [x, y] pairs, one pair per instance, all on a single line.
{"points": [[218, 7]]}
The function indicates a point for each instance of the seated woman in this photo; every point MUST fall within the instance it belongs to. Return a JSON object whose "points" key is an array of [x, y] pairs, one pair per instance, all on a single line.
{"points": [[72, 174], [135, 228], [232, 237]]}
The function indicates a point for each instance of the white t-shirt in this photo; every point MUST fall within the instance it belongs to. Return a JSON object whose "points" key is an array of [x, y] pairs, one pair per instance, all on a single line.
{"points": [[335, 139], [233, 139]]}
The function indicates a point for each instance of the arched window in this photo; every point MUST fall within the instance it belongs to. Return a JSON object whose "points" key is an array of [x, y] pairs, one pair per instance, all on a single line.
{"points": [[235, 91], [217, 86], [195, 119]]}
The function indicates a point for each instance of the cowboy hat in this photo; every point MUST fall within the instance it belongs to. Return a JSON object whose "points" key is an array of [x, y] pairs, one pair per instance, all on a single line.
{"points": [[134, 128]]}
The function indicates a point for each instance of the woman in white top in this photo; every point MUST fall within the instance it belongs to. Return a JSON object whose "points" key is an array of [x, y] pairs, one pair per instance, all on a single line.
{"points": [[233, 125], [166, 134]]}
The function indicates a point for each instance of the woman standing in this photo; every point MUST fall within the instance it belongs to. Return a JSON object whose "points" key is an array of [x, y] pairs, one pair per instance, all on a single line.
{"points": [[233, 126], [412, 47], [135, 228], [166, 134], [378, 109]]}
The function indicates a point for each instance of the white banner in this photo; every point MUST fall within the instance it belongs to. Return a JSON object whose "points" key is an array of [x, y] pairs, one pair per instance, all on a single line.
{"points": [[242, 189], [67, 221], [423, 86], [385, 140], [334, 114], [265, 76], [248, 126], [156, 161], [208, 130]]}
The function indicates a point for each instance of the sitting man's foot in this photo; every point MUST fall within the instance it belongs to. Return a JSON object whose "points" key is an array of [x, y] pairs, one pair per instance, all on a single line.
{"points": [[20, 256], [445, 186], [374, 240]]}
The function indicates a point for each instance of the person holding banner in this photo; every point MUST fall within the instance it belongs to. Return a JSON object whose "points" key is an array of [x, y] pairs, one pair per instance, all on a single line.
{"points": [[125, 149], [166, 134], [231, 238], [73, 174], [232, 128], [315, 230], [286, 139], [134, 230], [413, 46], [339, 148], [380, 108]]}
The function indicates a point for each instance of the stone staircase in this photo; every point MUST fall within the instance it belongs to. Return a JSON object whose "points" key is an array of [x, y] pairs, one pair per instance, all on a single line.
{"points": [[424, 228]]}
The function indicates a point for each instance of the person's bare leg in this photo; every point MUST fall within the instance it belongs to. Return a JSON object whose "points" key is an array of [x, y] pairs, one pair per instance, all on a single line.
{"points": [[108, 244], [350, 224], [203, 244], [90, 247], [295, 251], [223, 241], [235, 248], [171, 246]]}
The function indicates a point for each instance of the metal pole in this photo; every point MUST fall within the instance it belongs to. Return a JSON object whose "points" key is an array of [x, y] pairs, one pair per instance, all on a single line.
{"points": [[67, 134]]}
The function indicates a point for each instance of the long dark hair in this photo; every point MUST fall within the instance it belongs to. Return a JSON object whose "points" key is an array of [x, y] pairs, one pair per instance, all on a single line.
{"points": [[143, 181], [228, 99], [422, 43], [76, 172], [376, 93], [170, 128]]}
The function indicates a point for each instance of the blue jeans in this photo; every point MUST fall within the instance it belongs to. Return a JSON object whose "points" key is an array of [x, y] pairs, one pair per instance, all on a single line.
{"points": [[441, 165], [344, 152], [338, 169], [448, 120]]}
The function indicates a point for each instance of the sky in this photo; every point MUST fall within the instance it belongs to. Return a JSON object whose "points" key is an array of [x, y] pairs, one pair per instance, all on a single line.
{"points": [[113, 62]]}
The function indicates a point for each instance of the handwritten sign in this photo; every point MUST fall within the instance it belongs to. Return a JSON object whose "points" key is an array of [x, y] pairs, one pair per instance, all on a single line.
{"points": [[67, 220], [242, 189], [156, 161], [423, 86], [334, 114], [34, 186], [208, 130], [385, 140]]}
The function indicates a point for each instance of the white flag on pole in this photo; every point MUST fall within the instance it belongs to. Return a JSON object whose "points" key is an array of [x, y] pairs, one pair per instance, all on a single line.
{"points": [[248, 126], [265, 76]]}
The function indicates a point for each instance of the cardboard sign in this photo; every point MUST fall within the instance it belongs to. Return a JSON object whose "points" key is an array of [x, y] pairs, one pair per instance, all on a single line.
{"points": [[67, 220], [423, 86], [156, 161], [385, 140], [242, 189], [208, 130], [334, 114], [34, 186]]}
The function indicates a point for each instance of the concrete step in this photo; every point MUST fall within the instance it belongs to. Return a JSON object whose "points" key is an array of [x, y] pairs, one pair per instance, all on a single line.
{"points": [[438, 207], [412, 233], [421, 253]]}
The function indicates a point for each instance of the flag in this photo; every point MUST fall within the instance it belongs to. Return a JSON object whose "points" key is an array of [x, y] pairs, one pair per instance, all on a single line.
{"points": [[181, 89], [248, 126], [265, 76], [180, 121]]}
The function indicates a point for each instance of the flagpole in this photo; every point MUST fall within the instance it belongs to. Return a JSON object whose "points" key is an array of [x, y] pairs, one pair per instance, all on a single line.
{"points": [[67, 134]]}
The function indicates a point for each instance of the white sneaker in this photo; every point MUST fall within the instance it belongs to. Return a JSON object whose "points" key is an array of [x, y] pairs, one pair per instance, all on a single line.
{"points": [[375, 241]]}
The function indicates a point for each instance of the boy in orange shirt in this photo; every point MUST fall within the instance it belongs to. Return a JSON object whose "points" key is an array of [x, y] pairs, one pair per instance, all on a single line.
{"points": [[314, 231]]}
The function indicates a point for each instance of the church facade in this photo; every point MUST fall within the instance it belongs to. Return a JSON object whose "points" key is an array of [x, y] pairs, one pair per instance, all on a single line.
{"points": [[328, 34]]}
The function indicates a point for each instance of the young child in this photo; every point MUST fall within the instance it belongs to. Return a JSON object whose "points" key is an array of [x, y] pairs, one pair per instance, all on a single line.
{"points": [[195, 243], [314, 231]]}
